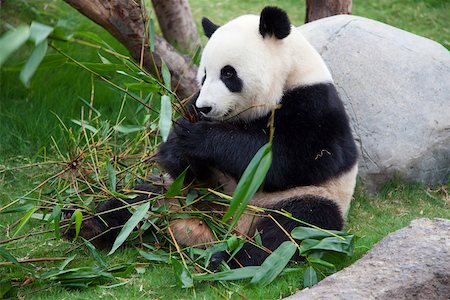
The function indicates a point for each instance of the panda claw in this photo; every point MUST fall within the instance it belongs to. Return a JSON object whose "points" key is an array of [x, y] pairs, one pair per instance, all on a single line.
{"points": [[216, 260]]}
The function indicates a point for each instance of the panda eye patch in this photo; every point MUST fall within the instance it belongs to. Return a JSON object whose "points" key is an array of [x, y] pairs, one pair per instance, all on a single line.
{"points": [[227, 72], [231, 79]]}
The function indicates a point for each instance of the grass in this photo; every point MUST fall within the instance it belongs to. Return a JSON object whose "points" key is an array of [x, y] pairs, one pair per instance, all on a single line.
{"points": [[27, 122]]}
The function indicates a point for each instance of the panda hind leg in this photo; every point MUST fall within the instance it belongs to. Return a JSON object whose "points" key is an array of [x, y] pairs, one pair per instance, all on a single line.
{"points": [[102, 228], [314, 210]]}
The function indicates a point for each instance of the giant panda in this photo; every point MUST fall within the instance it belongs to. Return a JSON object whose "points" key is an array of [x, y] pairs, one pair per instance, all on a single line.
{"points": [[249, 67]]}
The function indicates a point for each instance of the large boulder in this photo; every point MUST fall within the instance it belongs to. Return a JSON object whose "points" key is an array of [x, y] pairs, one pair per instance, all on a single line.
{"points": [[396, 89], [411, 263]]}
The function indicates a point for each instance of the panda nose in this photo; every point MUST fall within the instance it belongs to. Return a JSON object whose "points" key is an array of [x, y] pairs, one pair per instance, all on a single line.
{"points": [[205, 110]]}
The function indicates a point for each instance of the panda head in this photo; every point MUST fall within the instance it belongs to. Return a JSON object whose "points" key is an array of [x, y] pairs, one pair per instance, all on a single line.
{"points": [[250, 62]]}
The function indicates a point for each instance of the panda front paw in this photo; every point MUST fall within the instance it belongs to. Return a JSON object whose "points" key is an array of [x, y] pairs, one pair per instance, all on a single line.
{"points": [[170, 156], [192, 138]]}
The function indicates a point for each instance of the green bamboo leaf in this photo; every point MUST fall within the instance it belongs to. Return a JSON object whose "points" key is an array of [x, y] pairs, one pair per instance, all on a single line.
{"points": [[33, 62], [127, 129], [102, 68], [24, 220], [274, 264], [12, 40], [112, 177], [166, 75], [86, 125], [249, 183], [95, 254], [176, 186], [310, 277], [78, 216], [25, 207], [191, 196], [90, 106], [161, 257], [165, 117], [302, 233], [151, 34], [8, 256], [234, 274], [103, 59], [142, 86], [56, 217], [39, 32], [182, 275], [196, 56], [139, 214], [66, 262], [318, 261], [329, 244]]}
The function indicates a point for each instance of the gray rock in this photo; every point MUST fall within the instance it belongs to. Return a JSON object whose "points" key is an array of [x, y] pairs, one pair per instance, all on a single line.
{"points": [[396, 88], [411, 263]]}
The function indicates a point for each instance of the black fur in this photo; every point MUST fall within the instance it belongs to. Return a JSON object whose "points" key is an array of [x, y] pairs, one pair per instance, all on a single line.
{"points": [[208, 27], [110, 216], [312, 142], [274, 21], [231, 79], [311, 209]]}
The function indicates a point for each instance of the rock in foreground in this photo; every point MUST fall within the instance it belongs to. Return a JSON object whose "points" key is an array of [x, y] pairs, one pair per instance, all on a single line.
{"points": [[411, 263]]}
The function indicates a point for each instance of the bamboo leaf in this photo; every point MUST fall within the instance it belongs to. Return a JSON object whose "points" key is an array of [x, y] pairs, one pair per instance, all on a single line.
{"points": [[302, 233], [151, 34], [165, 117], [182, 275], [33, 62], [56, 217], [329, 244], [90, 106], [234, 274], [274, 264], [86, 125], [162, 257], [12, 40], [95, 254], [310, 277], [139, 214], [66, 262], [249, 183], [166, 75], [78, 216], [142, 86], [112, 177], [22, 208], [318, 261], [176, 186], [125, 129], [196, 56], [8, 256], [39, 32], [24, 220]]}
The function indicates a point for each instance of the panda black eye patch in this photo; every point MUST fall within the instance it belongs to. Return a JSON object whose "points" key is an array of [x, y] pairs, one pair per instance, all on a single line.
{"points": [[231, 79]]}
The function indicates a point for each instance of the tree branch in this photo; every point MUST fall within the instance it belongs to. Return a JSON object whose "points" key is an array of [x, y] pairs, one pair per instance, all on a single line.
{"points": [[176, 23], [318, 9], [125, 20]]}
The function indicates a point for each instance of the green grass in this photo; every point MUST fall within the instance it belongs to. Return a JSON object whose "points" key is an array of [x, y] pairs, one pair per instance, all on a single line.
{"points": [[27, 121], [370, 217]]}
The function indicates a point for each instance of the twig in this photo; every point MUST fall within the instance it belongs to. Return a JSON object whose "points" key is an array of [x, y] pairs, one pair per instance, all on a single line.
{"points": [[32, 260]]}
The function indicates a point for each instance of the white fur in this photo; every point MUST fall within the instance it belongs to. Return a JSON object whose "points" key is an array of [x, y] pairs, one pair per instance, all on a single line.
{"points": [[268, 67]]}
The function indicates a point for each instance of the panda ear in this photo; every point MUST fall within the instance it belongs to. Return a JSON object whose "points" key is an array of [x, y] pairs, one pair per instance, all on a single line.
{"points": [[274, 21], [208, 27]]}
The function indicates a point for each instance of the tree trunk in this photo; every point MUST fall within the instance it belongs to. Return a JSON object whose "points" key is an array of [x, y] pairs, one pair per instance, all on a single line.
{"points": [[317, 9], [125, 20], [177, 24]]}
